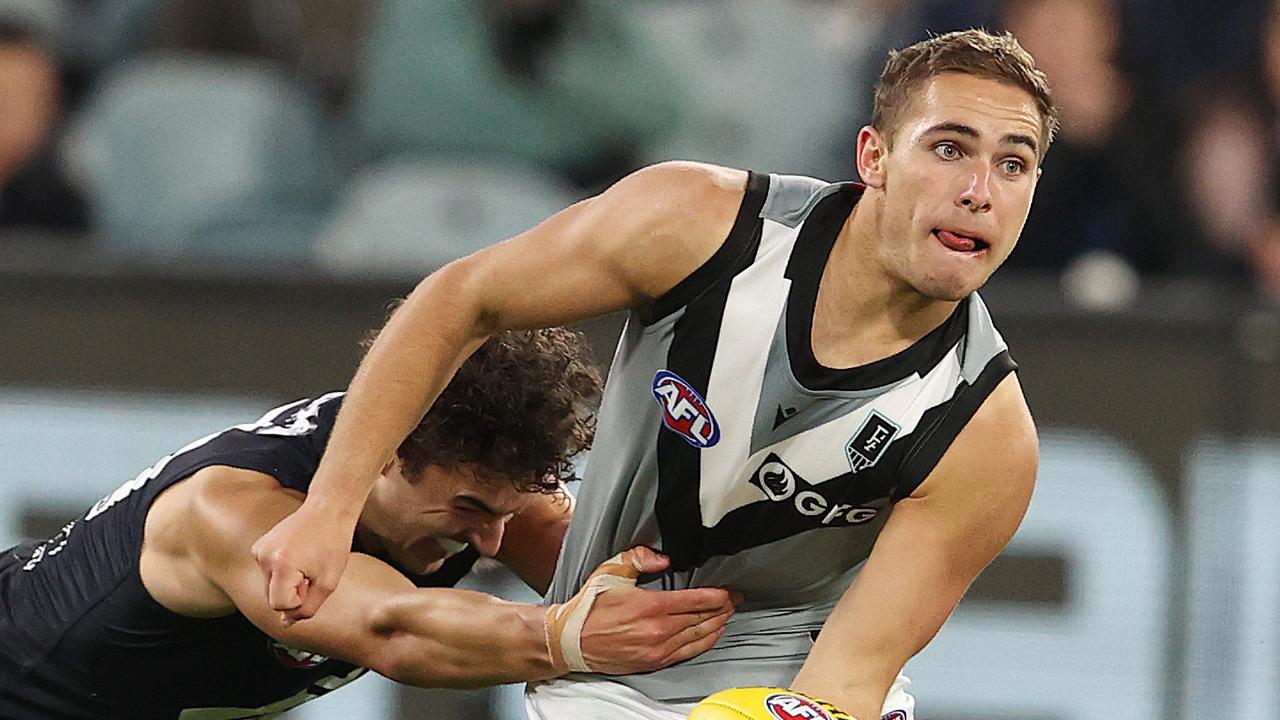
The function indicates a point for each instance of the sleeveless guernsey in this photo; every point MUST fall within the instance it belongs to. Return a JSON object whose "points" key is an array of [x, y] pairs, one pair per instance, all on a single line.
{"points": [[723, 443]]}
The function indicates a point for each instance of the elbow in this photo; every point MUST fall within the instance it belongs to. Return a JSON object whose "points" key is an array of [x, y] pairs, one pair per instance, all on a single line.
{"points": [[395, 662], [393, 653], [402, 660], [403, 656], [389, 656], [385, 619], [456, 289], [399, 658]]}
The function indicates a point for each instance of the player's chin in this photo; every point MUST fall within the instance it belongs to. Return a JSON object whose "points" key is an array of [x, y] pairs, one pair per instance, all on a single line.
{"points": [[421, 566], [951, 288], [953, 277], [433, 566], [423, 557]]}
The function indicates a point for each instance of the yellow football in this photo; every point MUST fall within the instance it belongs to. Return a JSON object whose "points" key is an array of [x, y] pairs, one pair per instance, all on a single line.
{"points": [[764, 703]]}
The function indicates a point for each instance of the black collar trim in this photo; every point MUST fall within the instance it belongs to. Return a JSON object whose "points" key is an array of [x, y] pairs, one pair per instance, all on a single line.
{"points": [[804, 269]]}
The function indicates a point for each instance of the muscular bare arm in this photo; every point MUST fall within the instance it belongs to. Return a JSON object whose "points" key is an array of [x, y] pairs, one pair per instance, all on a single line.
{"points": [[627, 246], [196, 562], [933, 546]]}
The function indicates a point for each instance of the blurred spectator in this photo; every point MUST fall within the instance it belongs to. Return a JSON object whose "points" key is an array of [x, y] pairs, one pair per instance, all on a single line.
{"points": [[772, 84], [909, 21], [555, 84], [1191, 40], [1231, 160], [33, 190], [202, 155], [321, 40], [1106, 185]]}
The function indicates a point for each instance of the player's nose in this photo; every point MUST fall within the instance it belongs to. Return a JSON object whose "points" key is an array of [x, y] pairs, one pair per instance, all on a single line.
{"points": [[487, 538], [976, 196]]}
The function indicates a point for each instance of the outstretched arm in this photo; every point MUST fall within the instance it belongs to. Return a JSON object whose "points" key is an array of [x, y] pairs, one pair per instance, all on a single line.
{"points": [[436, 637], [630, 244], [933, 546]]}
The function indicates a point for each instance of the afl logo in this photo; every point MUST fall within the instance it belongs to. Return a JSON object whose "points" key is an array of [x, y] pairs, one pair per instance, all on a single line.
{"points": [[684, 412], [786, 706], [895, 715]]}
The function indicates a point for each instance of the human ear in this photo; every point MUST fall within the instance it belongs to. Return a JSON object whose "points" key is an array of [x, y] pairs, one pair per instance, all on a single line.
{"points": [[872, 150]]}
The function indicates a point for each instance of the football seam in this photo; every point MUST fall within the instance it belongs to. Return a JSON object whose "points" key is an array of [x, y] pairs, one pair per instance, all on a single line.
{"points": [[733, 708]]}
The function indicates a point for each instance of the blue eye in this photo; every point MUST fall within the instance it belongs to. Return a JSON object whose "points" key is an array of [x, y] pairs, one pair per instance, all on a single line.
{"points": [[1014, 166], [946, 151]]}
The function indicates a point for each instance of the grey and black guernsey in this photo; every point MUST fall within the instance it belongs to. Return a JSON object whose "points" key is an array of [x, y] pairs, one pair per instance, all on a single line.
{"points": [[81, 638], [726, 445]]}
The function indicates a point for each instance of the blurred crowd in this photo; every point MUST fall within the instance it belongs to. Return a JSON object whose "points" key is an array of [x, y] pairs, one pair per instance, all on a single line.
{"points": [[389, 136]]}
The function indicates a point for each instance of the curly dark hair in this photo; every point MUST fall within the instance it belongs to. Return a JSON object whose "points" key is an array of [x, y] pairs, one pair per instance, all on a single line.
{"points": [[521, 407]]}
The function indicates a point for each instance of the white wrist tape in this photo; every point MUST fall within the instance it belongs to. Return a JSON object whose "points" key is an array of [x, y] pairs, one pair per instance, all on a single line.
{"points": [[565, 621]]}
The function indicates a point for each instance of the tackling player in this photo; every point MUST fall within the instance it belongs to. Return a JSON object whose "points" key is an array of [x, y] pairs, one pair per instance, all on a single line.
{"points": [[150, 605]]}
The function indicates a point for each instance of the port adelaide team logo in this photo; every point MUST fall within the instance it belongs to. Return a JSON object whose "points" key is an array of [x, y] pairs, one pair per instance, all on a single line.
{"points": [[870, 442], [684, 412]]}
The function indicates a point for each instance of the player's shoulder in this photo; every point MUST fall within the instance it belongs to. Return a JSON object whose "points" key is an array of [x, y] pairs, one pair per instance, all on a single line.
{"points": [[786, 198], [198, 533], [994, 459], [692, 175], [219, 502], [685, 194], [1005, 419], [1006, 409], [221, 488], [658, 224]]}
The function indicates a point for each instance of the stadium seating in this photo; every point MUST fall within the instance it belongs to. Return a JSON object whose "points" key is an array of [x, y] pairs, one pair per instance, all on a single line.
{"points": [[203, 156], [99, 33], [777, 82], [183, 155], [406, 218], [45, 19], [433, 85]]}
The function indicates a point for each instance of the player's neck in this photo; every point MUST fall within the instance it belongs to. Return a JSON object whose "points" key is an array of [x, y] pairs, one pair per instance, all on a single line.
{"points": [[369, 527], [863, 312]]}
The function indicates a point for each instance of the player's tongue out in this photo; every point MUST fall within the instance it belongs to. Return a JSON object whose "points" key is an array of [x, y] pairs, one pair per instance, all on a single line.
{"points": [[953, 241]]}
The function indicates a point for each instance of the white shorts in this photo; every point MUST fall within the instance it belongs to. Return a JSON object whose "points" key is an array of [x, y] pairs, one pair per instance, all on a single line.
{"points": [[567, 699]]}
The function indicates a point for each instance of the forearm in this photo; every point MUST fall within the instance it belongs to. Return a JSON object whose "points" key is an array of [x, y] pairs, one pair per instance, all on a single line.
{"points": [[933, 546], [460, 638], [409, 364], [872, 633], [856, 683], [863, 702]]}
